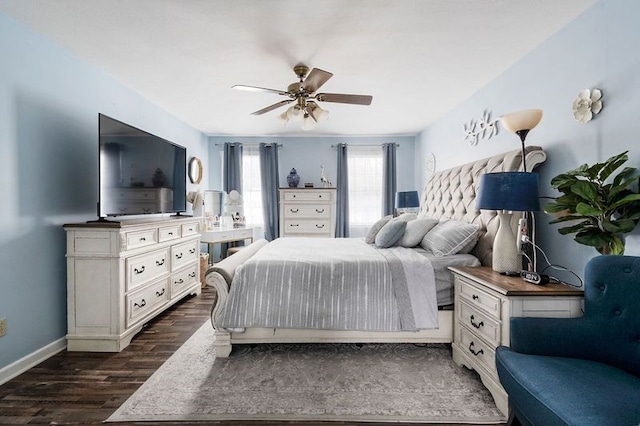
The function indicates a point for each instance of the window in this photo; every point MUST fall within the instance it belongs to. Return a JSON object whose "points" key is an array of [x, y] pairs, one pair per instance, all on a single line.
{"points": [[365, 188], [252, 186]]}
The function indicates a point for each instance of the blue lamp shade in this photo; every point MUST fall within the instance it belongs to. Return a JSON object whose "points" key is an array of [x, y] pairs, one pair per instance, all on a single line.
{"points": [[407, 199], [513, 191]]}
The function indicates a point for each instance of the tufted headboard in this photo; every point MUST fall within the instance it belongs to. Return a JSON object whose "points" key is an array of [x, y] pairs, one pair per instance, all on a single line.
{"points": [[451, 194]]}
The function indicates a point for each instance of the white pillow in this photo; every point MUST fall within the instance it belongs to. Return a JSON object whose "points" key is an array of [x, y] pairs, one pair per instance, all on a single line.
{"points": [[416, 230], [370, 238], [407, 217], [449, 237], [390, 233]]}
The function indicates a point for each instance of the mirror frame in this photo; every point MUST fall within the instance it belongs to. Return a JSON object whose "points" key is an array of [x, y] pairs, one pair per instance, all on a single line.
{"points": [[195, 170]]}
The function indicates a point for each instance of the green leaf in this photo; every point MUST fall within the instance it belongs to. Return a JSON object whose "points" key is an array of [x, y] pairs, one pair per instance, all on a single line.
{"points": [[612, 164], [573, 229], [570, 217], [593, 237], [616, 246], [625, 174], [586, 190], [619, 226], [588, 210], [626, 200]]}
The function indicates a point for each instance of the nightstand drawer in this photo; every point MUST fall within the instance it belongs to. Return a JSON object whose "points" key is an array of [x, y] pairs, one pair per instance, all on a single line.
{"points": [[477, 350], [479, 298], [480, 323]]}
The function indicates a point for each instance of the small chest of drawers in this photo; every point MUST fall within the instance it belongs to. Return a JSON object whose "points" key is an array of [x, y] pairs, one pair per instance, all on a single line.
{"points": [[485, 301], [307, 212]]}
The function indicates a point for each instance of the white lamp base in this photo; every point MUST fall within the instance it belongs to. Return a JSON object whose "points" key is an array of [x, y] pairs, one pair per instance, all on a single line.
{"points": [[505, 253]]}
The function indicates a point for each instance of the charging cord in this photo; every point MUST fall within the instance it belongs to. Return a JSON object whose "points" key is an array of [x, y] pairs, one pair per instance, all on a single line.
{"points": [[526, 239]]}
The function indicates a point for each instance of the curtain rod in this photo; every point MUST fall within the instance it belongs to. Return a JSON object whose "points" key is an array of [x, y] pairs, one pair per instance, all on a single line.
{"points": [[370, 145], [279, 145]]}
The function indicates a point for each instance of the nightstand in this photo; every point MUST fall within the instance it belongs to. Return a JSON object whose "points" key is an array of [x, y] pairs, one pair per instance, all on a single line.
{"points": [[484, 303]]}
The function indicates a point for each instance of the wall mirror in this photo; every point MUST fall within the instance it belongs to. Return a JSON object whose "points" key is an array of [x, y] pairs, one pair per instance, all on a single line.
{"points": [[195, 170]]}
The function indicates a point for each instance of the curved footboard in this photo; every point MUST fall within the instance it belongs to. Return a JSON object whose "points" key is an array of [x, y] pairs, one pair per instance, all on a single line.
{"points": [[220, 277]]}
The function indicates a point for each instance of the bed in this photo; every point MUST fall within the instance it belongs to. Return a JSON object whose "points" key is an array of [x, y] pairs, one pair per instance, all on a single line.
{"points": [[294, 290]]}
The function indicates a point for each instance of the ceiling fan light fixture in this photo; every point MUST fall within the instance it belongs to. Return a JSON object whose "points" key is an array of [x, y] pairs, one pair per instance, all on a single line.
{"points": [[294, 111], [308, 123], [283, 118]]}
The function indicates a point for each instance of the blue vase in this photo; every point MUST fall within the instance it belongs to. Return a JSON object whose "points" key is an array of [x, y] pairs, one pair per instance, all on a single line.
{"points": [[293, 179]]}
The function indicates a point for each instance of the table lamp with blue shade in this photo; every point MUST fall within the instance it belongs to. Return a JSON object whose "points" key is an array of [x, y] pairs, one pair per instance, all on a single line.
{"points": [[407, 201], [507, 192]]}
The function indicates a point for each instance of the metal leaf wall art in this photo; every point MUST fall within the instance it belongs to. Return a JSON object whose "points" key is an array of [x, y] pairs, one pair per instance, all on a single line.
{"points": [[484, 128]]}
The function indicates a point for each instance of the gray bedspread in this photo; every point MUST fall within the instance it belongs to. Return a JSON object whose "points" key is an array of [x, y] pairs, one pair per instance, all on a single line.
{"points": [[338, 284]]}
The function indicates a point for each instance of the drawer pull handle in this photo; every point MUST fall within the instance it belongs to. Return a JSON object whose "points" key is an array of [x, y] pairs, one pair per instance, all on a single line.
{"points": [[160, 262], [476, 324], [475, 297], [293, 224], [180, 281], [191, 251], [179, 255], [320, 226], [319, 210], [143, 239], [138, 271], [189, 229], [294, 210], [476, 353], [192, 275], [142, 304], [160, 293], [170, 233]]}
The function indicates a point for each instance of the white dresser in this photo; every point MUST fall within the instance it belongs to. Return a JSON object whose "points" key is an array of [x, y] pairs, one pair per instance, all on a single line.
{"points": [[122, 274], [308, 212], [485, 302]]}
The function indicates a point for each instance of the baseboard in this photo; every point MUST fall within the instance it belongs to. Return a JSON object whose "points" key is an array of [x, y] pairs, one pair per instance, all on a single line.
{"points": [[23, 364]]}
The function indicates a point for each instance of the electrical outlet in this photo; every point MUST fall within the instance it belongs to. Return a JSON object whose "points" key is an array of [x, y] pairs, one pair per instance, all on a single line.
{"points": [[3, 326]]}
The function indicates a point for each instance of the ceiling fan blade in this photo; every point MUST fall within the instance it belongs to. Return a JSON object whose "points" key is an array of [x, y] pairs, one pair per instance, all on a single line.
{"points": [[272, 107], [315, 79], [310, 109], [343, 98], [259, 89]]}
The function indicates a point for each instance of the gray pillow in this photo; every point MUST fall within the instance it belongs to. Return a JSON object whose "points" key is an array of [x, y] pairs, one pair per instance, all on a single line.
{"points": [[449, 237], [407, 217], [370, 238], [390, 233], [416, 230]]}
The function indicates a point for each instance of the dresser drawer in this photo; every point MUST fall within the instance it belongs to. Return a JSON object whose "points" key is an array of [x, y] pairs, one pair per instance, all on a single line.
{"points": [[307, 227], [183, 279], [144, 238], [479, 298], [477, 350], [481, 324], [143, 301], [315, 211], [190, 229], [183, 254], [168, 233], [307, 196], [146, 267]]}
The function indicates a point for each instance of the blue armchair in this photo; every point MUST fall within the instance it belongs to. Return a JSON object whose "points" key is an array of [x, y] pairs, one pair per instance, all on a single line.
{"points": [[580, 371]]}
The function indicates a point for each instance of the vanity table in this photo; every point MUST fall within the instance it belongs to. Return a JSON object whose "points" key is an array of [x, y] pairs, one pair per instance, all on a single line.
{"points": [[219, 234]]}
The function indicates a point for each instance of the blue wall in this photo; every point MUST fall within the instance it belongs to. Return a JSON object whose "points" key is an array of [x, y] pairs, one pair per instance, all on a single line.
{"points": [[307, 154], [599, 49], [49, 105]]}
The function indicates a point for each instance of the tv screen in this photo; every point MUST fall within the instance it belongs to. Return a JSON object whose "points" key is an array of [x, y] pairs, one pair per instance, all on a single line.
{"points": [[139, 173]]}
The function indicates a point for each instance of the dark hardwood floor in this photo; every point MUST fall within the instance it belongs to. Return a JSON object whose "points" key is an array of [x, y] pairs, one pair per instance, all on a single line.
{"points": [[86, 387]]}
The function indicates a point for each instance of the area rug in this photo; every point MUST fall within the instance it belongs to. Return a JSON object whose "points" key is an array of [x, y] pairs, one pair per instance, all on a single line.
{"points": [[320, 382]]}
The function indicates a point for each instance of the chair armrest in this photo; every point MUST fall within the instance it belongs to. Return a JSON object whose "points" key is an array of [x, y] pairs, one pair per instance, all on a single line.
{"points": [[565, 337]]}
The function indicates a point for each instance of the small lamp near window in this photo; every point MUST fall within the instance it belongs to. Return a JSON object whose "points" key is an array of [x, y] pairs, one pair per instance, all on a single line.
{"points": [[407, 201], [507, 192]]}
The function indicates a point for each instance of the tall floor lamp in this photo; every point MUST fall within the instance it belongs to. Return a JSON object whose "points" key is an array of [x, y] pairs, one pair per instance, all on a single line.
{"points": [[507, 192], [520, 123]]}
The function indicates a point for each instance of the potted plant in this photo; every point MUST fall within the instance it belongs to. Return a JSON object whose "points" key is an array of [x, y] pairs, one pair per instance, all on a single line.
{"points": [[605, 211]]}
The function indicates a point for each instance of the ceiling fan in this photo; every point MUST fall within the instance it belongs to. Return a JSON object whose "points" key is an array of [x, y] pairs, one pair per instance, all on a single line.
{"points": [[303, 93]]}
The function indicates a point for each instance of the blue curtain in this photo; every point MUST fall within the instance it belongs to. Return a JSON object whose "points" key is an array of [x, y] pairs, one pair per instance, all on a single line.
{"points": [[232, 178], [388, 178], [269, 178], [342, 203]]}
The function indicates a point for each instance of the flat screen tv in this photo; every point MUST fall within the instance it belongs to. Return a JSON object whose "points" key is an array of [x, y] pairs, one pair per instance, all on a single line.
{"points": [[139, 173]]}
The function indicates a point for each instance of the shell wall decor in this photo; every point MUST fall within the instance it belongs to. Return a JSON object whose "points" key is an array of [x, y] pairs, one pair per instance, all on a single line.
{"points": [[588, 103], [485, 128]]}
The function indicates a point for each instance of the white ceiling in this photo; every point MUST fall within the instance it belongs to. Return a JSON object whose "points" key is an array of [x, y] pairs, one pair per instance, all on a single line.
{"points": [[417, 58]]}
